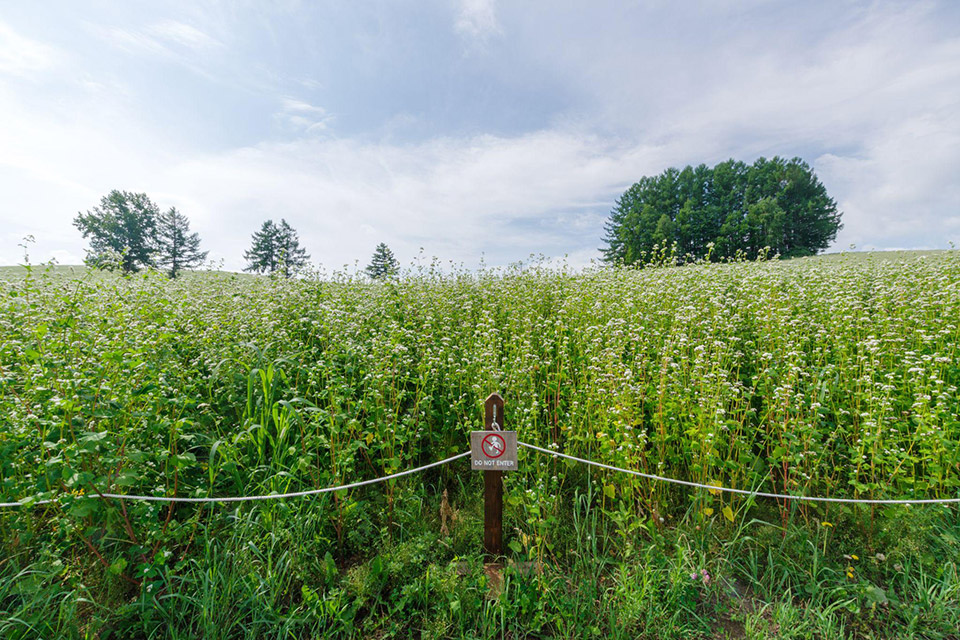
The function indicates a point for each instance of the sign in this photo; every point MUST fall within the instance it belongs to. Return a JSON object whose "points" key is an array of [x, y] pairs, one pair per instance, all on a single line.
{"points": [[493, 450]]}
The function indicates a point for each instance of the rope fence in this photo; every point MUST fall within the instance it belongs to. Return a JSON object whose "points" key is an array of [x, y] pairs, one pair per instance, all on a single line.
{"points": [[555, 454], [711, 487], [269, 496]]}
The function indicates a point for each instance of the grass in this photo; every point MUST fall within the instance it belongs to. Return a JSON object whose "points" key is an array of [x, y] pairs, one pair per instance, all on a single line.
{"points": [[826, 376]]}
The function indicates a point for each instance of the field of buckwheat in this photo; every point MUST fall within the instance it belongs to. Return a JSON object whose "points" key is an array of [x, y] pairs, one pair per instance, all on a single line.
{"points": [[832, 376]]}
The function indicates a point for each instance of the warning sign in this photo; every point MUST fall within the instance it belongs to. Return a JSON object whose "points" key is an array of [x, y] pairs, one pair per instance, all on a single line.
{"points": [[493, 445], [493, 450]]}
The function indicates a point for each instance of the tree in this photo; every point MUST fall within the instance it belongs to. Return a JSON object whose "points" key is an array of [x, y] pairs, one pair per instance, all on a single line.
{"points": [[275, 248], [382, 264], [293, 257], [121, 231], [262, 255], [731, 209], [177, 248]]}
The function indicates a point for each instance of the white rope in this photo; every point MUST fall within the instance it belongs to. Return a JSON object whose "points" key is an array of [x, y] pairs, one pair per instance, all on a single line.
{"points": [[270, 496], [782, 496], [20, 504], [709, 487]]}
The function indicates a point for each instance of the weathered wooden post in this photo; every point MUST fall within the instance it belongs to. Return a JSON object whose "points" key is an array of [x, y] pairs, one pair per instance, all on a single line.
{"points": [[493, 451], [493, 481]]}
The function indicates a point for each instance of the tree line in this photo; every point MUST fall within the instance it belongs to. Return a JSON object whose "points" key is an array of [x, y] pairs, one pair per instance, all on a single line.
{"points": [[733, 209], [127, 231]]}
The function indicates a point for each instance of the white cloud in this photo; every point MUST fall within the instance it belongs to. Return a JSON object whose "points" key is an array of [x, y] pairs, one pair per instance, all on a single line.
{"points": [[456, 197], [22, 56], [477, 20], [297, 115], [168, 39], [895, 190], [134, 41], [183, 35]]}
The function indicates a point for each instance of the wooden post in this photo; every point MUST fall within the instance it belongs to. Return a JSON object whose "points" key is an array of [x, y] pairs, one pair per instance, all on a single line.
{"points": [[493, 485]]}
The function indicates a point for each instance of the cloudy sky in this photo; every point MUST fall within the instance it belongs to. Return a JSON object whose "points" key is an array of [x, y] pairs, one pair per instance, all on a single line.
{"points": [[466, 127]]}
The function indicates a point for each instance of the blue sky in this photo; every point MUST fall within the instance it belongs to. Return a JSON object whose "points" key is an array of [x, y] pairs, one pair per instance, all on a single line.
{"points": [[469, 128]]}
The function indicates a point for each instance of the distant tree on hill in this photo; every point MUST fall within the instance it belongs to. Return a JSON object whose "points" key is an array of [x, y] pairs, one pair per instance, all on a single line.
{"points": [[382, 264], [293, 257], [121, 230], [177, 248], [262, 255], [731, 209], [276, 248]]}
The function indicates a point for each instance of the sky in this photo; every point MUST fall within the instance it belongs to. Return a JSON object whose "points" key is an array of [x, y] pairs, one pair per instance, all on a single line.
{"points": [[465, 130]]}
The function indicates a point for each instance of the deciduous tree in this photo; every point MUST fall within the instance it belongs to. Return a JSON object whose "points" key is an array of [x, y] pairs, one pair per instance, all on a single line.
{"points": [[122, 231]]}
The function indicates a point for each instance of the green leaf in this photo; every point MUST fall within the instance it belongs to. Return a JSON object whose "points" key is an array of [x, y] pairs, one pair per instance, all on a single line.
{"points": [[183, 460], [144, 389], [728, 513], [82, 507], [127, 479], [875, 595], [117, 566]]}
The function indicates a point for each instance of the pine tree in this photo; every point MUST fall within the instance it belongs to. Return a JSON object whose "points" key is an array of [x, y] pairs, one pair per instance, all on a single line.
{"points": [[121, 231], [262, 255], [177, 248], [275, 248], [382, 264], [292, 256]]}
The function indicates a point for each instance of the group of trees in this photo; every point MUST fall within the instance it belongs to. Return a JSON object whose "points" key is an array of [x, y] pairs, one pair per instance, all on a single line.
{"points": [[731, 209], [276, 249], [128, 230]]}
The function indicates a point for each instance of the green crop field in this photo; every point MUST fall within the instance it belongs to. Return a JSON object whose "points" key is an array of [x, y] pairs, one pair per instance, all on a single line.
{"points": [[833, 376]]}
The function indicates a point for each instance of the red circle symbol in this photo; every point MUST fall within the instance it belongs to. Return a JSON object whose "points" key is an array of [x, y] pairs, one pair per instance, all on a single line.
{"points": [[493, 446]]}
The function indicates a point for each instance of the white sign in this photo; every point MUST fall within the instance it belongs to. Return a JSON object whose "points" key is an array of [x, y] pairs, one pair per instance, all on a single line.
{"points": [[493, 450]]}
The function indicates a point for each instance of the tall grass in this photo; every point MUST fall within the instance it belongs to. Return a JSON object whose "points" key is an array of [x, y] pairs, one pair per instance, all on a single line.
{"points": [[822, 377]]}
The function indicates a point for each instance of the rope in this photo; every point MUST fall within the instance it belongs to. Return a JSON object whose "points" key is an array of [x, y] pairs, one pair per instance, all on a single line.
{"points": [[20, 504], [781, 496], [271, 496], [686, 483]]}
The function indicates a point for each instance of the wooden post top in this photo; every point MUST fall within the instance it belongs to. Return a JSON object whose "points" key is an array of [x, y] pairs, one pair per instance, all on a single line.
{"points": [[493, 413]]}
